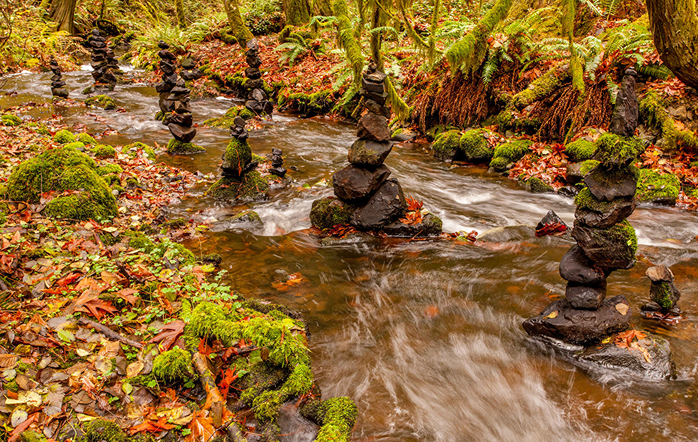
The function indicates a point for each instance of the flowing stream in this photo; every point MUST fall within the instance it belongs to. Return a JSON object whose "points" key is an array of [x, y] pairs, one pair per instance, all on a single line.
{"points": [[425, 336]]}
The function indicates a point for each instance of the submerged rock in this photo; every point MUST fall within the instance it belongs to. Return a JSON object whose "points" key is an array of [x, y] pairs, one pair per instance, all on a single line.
{"points": [[431, 225], [330, 211], [560, 320], [662, 289], [508, 233]]}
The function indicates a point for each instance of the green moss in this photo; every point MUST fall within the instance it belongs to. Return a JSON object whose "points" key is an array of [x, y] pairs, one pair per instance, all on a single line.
{"points": [[86, 138], [248, 216], [510, 152], [446, 145], [664, 296], [310, 105], [173, 365], [108, 169], [473, 146], [102, 430], [580, 150], [253, 187], [653, 186], [61, 170], [226, 120], [64, 136], [175, 252], [536, 185], [654, 114], [625, 232], [104, 101], [588, 166], [32, 436], [237, 155], [212, 258], [330, 211], [10, 120], [586, 200], [540, 88], [336, 416], [76, 145], [176, 147], [138, 240], [104, 151], [614, 150], [176, 223]]}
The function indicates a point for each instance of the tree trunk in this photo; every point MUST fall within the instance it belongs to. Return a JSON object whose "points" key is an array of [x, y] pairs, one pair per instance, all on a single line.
{"points": [[297, 12], [675, 31], [323, 7], [236, 23], [179, 8], [63, 13]]}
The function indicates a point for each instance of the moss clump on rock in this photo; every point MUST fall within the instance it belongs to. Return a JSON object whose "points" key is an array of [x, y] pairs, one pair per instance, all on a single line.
{"points": [[510, 152], [138, 240], [537, 185], [580, 150], [654, 114], [102, 430], [336, 417], [227, 120], [76, 145], [248, 216], [588, 166], [446, 145], [108, 169], [10, 120], [237, 155], [473, 146], [252, 187], [60, 170], [104, 151], [173, 365], [656, 187], [176, 147], [615, 151], [87, 139], [103, 101], [64, 137], [310, 105], [330, 211], [664, 295]]}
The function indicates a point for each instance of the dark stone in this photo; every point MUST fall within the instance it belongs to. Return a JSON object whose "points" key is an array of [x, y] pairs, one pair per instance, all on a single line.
{"points": [[354, 183], [431, 225], [379, 98], [249, 167], [663, 291], [268, 108], [188, 63], [560, 320], [371, 86], [184, 119], [163, 45], [574, 174], [373, 127], [253, 73], [604, 248], [576, 267], [376, 108], [585, 296], [190, 75], [386, 205], [253, 45], [255, 106], [182, 133], [369, 153], [258, 95], [170, 79], [253, 61], [167, 68], [60, 92], [626, 111], [162, 87], [181, 107], [658, 364], [607, 186], [251, 84], [278, 171], [568, 191], [166, 55], [57, 84], [608, 214], [550, 218]]}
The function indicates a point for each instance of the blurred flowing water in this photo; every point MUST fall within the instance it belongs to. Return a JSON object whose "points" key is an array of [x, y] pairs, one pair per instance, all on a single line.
{"points": [[425, 336]]}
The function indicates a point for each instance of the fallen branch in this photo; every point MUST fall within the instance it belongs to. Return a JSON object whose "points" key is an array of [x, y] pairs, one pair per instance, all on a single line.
{"points": [[214, 399], [109, 333]]}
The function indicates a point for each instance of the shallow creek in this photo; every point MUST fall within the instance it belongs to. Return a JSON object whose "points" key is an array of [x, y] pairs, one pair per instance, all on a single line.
{"points": [[425, 336]]}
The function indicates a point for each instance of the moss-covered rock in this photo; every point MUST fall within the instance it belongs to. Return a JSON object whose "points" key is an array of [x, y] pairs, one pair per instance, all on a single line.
{"points": [[10, 120], [176, 147], [138, 240], [226, 120], [102, 430], [252, 187], [580, 150], [656, 187], [330, 211], [509, 152], [64, 137], [310, 105], [237, 155], [32, 436], [537, 185], [446, 145], [108, 169], [655, 115], [87, 139], [173, 365], [617, 151], [103, 101], [588, 166], [248, 216], [336, 417], [63, 170], [474, 147], [76, 145], [104, 151]]}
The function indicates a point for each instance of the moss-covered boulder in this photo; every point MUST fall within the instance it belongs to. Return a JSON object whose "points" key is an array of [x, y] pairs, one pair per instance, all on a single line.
{"points": [[248, 217], [173, 365], [87, 139], [330, 211], [580, 150], [252, 187], [657, 187], [64, 136], [336, 417], [537, 185], [617, 151], [10, 120], [237, 155], [474, 146], [104, 151], [309, 105], [227, 120], [176, 147], [103, 101], [508, 153], [78, 191], [608, 248], [446, 145]]}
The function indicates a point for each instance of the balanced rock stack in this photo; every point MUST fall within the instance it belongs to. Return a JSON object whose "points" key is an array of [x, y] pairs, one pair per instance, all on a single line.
{"points": [[169, 79], [57, 85], [663, 293], [277, 162], [240, 180], [605, 242], [189, 70], [366, 197], [257, 100], [103, 62]]}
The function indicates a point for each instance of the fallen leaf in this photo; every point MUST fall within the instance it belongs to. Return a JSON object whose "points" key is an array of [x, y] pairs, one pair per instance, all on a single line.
{"points": [[552, 315], [622, 308], [169, 334]]}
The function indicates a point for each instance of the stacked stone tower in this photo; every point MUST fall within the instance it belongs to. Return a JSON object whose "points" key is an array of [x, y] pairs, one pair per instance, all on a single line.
{"points": [[277, 162], [103, 62], [169, 79], [257, 100], [605, 239], [57, 84]]}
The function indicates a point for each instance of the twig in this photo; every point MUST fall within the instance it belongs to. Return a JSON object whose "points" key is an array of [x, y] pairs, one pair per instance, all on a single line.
{"points": [[109, 333]]}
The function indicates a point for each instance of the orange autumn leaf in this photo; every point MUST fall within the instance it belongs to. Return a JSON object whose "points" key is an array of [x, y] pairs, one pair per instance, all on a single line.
{"points": [[625, 339], [201, 428], [97, 308], [169, 334], [152, 426]]}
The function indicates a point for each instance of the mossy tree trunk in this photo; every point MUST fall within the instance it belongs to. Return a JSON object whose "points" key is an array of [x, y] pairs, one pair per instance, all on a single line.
{"points": [[675, 31], [378, 20], [346, 38], [297, 12], [62, 12], [179, 8], [235, 22], [323, 7]]}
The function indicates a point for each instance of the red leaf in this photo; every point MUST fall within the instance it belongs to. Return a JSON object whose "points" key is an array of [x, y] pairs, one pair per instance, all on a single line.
{"points": [[169, 334]]}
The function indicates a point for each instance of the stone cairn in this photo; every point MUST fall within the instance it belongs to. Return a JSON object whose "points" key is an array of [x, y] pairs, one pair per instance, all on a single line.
{"points": [[277, 162], [57, 84], [605, 240], [103, 62], [189, 70], [257, 100], [663, 293], [175, 110]]}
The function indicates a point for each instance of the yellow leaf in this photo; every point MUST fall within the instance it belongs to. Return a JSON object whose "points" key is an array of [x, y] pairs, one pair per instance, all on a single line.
{"points": [[622, 308], [552, 315]]}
